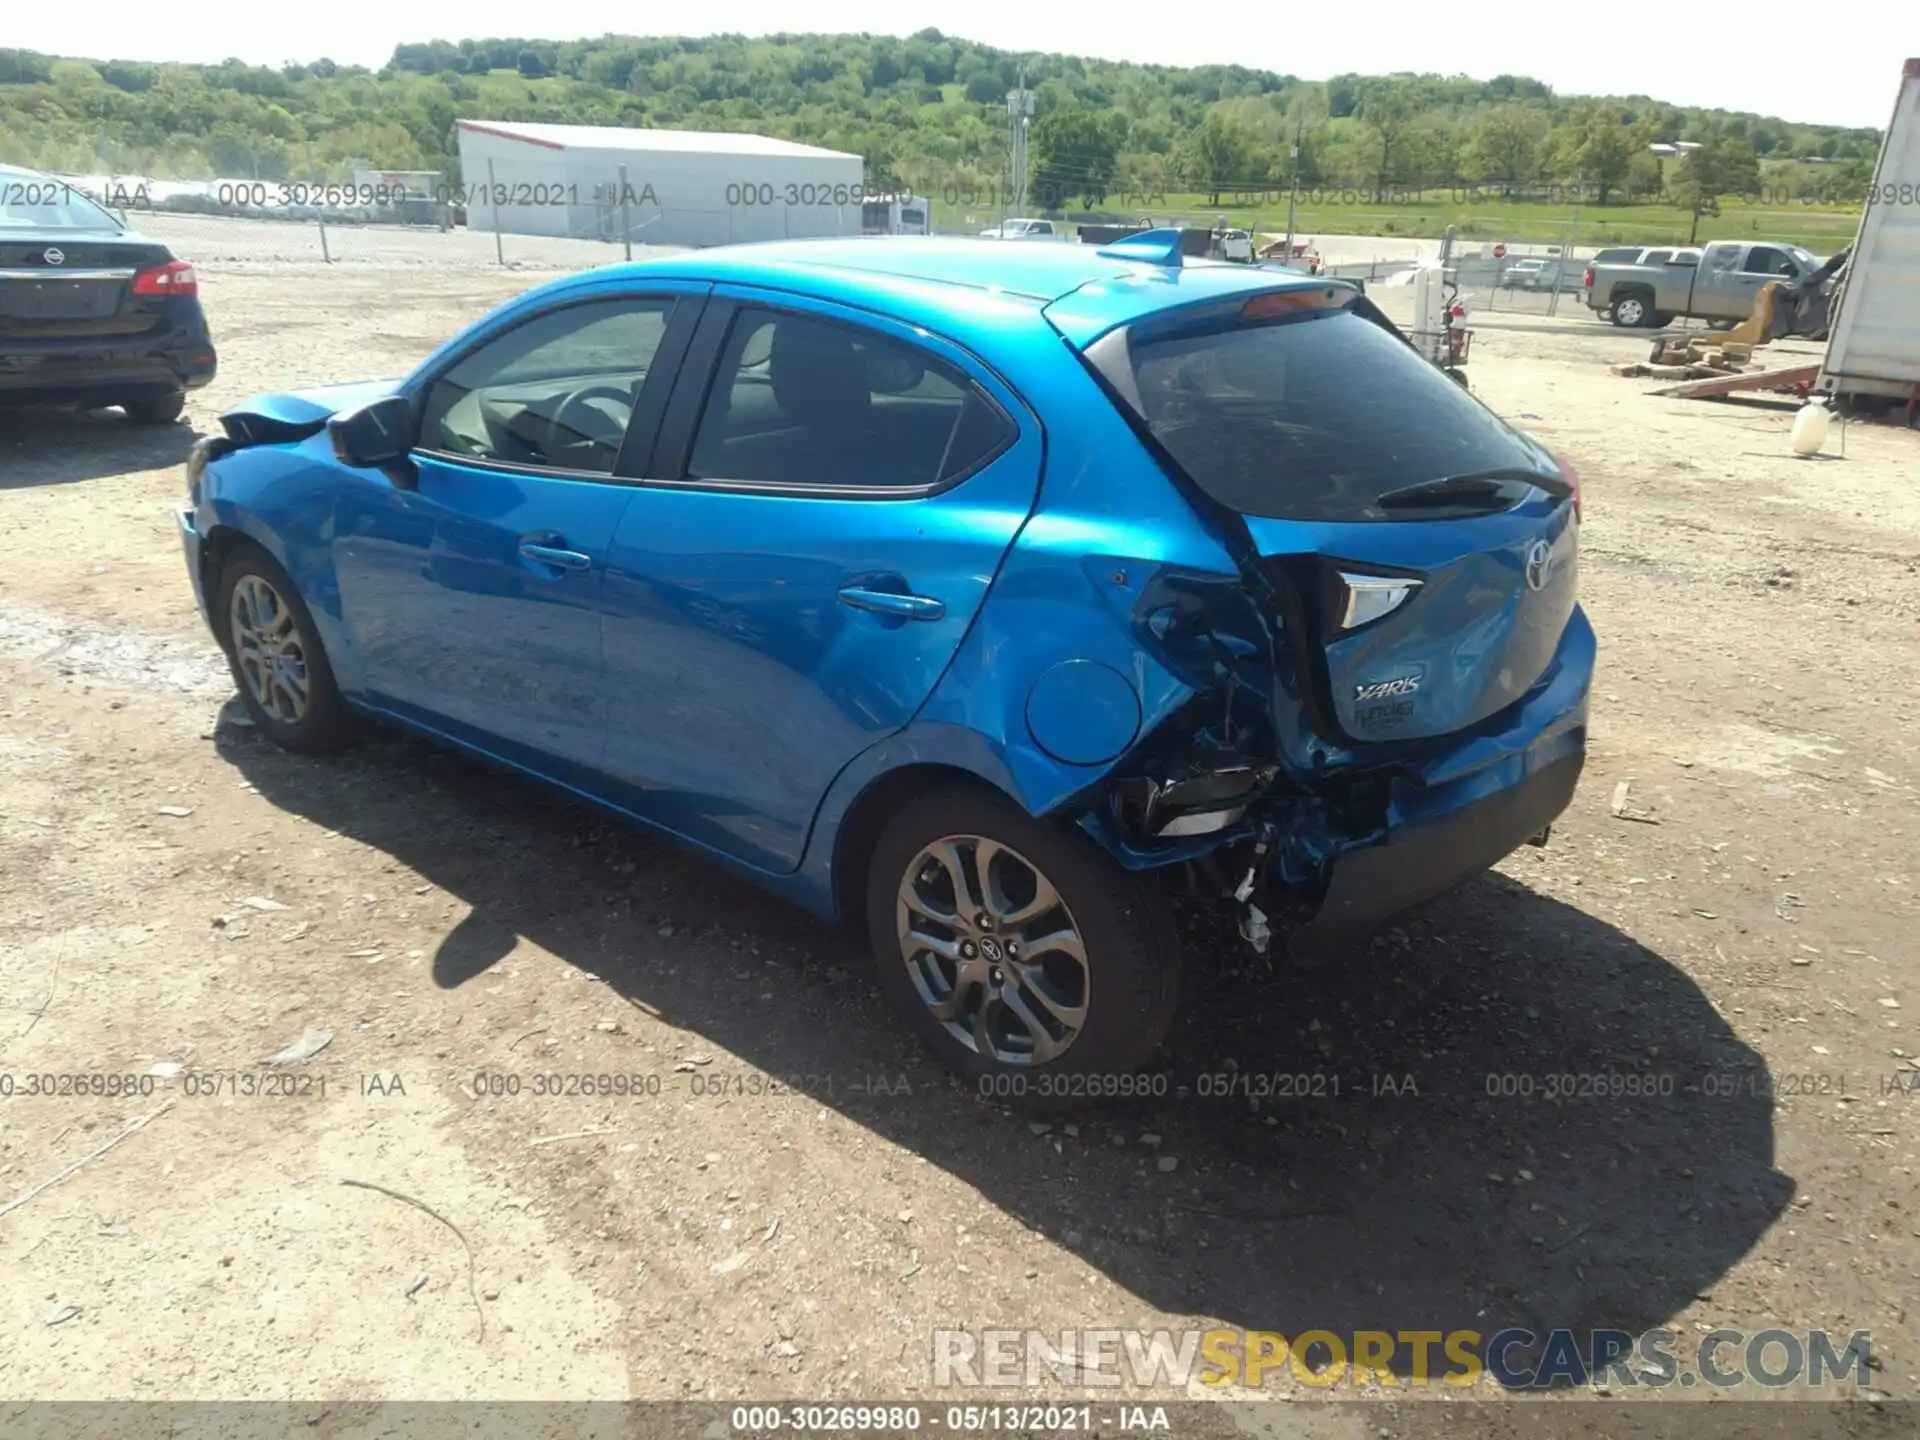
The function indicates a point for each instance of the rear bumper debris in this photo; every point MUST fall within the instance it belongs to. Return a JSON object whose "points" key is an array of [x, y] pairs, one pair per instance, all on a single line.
{"points": [[1418, 861]]}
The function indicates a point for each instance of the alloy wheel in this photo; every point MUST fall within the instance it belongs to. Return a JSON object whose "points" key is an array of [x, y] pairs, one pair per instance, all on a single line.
{"points": [[993, 951], [268, 651]]}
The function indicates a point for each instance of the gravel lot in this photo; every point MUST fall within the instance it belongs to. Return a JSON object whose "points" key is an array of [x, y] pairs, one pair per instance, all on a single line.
{"points": [[179, 894]]}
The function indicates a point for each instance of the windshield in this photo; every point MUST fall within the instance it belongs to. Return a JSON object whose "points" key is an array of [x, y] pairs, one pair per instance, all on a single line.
{"points": [[37, 202], [1313, 417]]}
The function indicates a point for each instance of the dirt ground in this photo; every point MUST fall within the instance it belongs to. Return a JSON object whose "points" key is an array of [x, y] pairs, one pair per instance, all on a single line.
{"points": [[797, 1198]]}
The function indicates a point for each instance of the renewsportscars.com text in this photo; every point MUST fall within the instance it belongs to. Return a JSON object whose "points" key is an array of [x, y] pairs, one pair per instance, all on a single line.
{"points": [[1514, 1359]]}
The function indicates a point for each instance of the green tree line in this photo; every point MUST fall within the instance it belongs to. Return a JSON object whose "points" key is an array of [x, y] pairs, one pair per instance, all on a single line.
{"points": [[928, 110]]}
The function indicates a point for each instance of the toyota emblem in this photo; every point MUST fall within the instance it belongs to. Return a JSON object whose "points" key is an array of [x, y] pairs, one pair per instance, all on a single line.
{"points": [[1539, 565], [55, 256]]}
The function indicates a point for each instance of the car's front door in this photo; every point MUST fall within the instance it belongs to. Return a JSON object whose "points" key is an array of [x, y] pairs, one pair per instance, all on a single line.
{"points": [[829, 501], [473, 595]]}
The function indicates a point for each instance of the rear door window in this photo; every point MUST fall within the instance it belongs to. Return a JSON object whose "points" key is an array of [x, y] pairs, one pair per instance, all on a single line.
{"points": [[804, 402], [1311, 416]]}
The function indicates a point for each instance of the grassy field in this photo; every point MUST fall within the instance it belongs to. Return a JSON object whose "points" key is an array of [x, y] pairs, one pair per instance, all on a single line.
{"points": [[1821, 229]]}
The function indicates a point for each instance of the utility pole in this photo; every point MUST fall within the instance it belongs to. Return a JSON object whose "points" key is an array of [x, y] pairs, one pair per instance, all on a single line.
{"points": [[1019, 116], [1293, 195]]}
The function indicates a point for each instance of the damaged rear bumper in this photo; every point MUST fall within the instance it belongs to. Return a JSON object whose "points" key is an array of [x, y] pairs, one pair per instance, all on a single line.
{"points": [[1418, 861], [1463, 813]]}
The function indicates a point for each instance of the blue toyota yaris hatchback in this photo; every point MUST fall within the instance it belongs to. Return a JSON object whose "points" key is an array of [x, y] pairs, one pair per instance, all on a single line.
{"points": [[964, 591]]}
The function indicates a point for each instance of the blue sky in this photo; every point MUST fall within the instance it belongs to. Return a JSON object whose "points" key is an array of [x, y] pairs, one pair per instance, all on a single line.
{"points": [[1765, 56]]}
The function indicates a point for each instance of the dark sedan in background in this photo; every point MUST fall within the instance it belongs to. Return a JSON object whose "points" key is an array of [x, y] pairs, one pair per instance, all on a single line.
{"points": [[91, 313]]}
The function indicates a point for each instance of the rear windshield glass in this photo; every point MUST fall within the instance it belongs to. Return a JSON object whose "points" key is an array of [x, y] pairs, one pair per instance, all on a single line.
{"points": [[35, 202], [1313, 417]]}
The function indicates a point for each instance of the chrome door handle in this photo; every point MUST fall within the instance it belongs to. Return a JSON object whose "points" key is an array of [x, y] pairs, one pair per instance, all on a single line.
{"points": [[882, 602], [558, 558]]}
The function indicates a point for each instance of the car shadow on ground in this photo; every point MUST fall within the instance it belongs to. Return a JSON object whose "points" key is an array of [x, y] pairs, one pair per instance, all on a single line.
{"points": [[51, 446], [1425, 1171]]}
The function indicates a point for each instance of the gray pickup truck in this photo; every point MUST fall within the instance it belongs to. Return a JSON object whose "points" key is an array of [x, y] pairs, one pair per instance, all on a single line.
{"points": [[1715, 282]]}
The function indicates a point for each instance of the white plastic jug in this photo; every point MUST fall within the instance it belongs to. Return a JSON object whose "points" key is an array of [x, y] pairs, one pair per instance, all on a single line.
{"points": [[1810, 427]]}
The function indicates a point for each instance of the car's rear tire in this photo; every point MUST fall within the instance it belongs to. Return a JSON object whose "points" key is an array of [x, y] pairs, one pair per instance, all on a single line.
{"points": [[274, 651], [1632, 311], [155, 409], [1049, 1026]]}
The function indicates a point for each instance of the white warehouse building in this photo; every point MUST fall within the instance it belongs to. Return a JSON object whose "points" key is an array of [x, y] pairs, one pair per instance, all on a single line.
{"points": [[683, 187]]}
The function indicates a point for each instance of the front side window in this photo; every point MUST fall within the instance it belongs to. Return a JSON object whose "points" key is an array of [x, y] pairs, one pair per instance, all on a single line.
{"points": [[801, 401], [555, 393]]}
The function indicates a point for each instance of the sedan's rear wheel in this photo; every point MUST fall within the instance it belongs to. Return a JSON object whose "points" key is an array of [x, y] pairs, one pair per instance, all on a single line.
{"points": [[1631, 311], [155, 409], [1029, 960], [274, 651]]}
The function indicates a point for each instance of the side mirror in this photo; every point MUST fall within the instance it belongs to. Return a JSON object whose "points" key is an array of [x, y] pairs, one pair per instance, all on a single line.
{"points": [[375, 435]]}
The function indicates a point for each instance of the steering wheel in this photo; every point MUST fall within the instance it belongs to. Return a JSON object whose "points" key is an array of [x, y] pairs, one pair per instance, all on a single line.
{"points": [[578, 419]]}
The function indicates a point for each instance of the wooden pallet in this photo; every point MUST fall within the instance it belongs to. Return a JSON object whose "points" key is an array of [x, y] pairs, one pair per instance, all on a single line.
{"points": [[1790, 377]]}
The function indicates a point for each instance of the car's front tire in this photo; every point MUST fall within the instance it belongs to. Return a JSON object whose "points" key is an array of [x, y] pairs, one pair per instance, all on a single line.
{"points": [[274, 651], [1020, 952], [155, 409]]}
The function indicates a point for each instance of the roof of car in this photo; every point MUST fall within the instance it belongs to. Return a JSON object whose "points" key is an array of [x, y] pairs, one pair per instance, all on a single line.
{"points": [[950, 283]]}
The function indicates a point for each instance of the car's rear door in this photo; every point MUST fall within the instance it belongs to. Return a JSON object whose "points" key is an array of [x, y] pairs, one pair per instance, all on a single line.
{"points": [[1420, 552], [831, 496]]}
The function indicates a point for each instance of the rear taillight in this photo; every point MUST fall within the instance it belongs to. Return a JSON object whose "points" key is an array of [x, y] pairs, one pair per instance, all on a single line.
{"points": [[1587, 279], [1573, 479], [176, 277]]}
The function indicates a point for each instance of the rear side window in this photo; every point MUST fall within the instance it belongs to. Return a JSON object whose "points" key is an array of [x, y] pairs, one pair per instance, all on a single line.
{"points": [[1311, 417], [801, 401]]}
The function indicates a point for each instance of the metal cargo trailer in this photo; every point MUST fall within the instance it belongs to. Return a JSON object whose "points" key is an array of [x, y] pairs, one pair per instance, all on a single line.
{"points": [[1874, 352]]}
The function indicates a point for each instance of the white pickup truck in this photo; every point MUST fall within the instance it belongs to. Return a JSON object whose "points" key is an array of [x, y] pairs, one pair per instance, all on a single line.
{"points": [[1024, 229]]}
